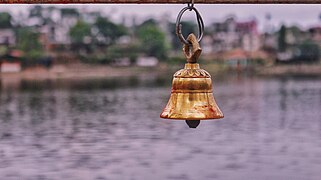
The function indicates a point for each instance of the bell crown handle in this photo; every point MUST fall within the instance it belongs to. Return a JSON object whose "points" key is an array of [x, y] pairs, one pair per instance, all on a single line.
{"points": [[192, 51]]}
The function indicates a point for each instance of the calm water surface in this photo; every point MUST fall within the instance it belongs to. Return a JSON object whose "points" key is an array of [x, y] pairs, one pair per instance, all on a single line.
{"points": [[111, 129]]}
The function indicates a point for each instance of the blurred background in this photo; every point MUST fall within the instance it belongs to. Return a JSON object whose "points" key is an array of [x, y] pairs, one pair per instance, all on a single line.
{"points": [[82, 87]]}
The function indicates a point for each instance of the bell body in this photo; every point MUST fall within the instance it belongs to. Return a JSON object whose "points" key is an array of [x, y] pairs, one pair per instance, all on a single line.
{"points": [[192, 96]]}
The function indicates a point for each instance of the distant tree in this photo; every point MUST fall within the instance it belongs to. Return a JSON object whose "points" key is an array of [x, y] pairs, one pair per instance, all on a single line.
{"points": [[5, 20], [69, 12], [153, 41], [28, 42], [80, 35], [108, 30], [282, 39], [130, 51], [44, 14], [187, 28], [308, 52], [149, 22], [36, 11]]}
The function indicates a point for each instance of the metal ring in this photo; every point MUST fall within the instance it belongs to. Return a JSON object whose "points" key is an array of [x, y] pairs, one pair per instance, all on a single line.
{"points": [[190, 5], [199, 22]]}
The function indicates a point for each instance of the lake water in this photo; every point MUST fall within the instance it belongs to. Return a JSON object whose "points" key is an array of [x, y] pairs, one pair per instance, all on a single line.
{"points": [[110, 129]]}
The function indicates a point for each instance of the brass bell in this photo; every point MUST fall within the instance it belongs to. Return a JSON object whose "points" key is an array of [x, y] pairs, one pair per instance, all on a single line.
{"points": [[192, 93]]}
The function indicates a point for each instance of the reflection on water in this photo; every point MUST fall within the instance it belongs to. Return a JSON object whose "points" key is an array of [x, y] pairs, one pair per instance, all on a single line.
{"points": [[111, 130]]}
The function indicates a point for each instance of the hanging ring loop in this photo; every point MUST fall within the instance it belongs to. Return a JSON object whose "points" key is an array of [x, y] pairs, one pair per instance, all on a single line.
{"points": [[200, 24]]}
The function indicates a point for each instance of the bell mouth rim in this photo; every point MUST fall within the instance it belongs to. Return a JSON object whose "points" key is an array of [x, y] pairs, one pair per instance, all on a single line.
{"points": [[191, 91], [194, 119]]}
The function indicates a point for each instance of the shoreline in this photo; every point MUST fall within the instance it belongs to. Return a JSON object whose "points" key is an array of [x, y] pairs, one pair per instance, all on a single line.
{"points": [[85, 71], [81, 71], [291, 70]]}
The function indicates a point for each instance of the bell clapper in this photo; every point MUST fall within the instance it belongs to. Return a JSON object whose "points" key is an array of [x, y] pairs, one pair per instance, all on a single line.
{"points": [[192, 123]]}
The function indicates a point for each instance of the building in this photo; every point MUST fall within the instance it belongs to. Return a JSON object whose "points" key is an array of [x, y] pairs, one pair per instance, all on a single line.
{"points": [[231, 34], [299, 45], [248, 34], [11, 62], [7, 37], [10, 67], [146, 61], [54, 25], [315, 34]]}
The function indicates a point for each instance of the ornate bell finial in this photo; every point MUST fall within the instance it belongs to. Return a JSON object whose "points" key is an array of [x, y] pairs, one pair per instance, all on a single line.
{"points": [[192, 94]]}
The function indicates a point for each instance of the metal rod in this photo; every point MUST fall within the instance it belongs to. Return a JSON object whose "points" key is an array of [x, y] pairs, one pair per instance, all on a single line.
{"points": [[162, 1]]}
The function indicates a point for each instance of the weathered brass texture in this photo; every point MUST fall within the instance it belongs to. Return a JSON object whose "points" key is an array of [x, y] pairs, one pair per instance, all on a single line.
{"points": [[192, 96], [192, 93]]}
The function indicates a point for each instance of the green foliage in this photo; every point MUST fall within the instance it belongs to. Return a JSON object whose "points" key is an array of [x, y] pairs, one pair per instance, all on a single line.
{"points": [[282, 39], [308, 51], [28, 42], [69, 12], [5, 20], [187, 28], [109, 30], [97, 58], [176, 60], [131, 51], [149, 22], [3, 50], [113, 53], [153, 41], [257, 62], [79, 31]]}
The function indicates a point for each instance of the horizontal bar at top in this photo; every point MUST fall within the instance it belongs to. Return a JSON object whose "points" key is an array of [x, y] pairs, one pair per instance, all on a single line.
{"points": [[161, 1]]}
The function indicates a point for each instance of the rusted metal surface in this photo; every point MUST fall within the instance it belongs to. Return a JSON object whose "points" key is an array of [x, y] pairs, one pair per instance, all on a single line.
{"points": [[192, 96], [162, 1], [192, 93], [192, 54]]}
